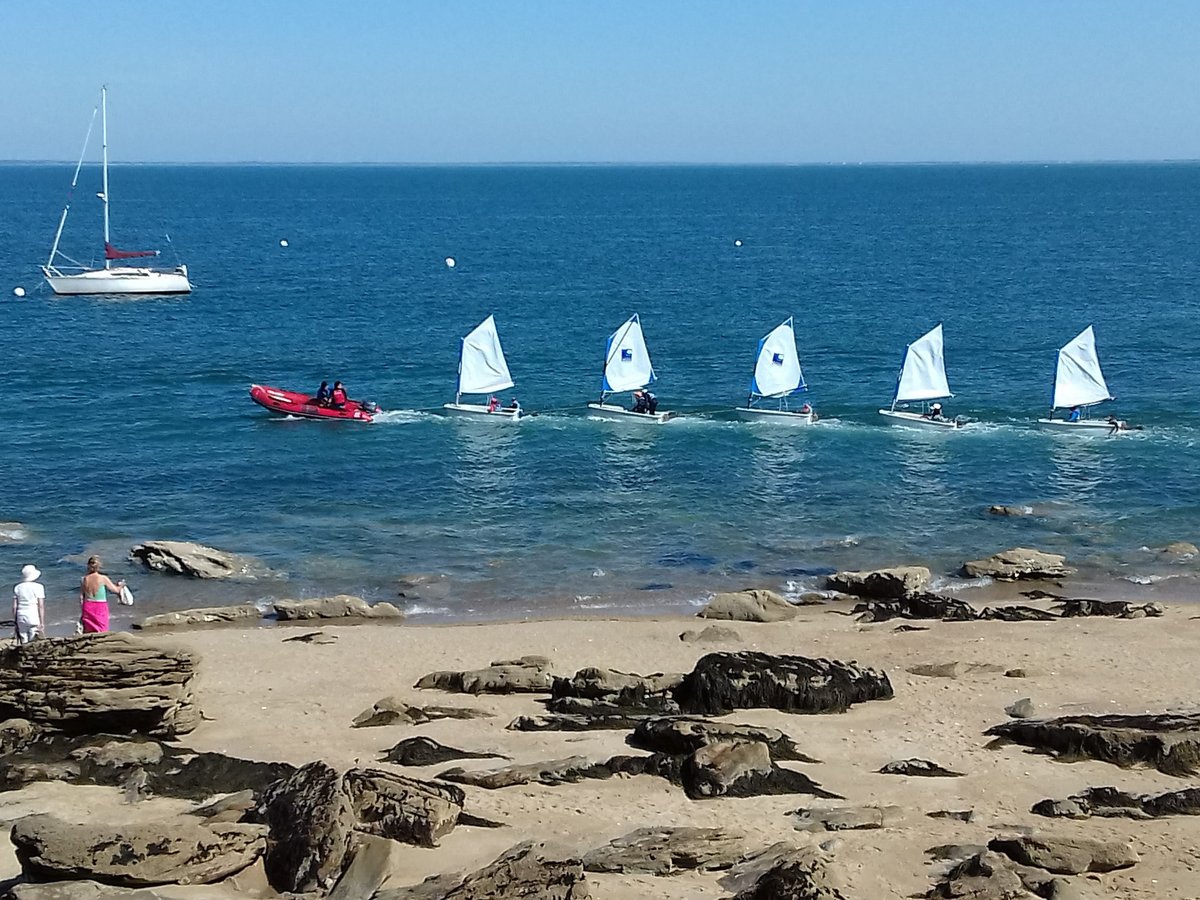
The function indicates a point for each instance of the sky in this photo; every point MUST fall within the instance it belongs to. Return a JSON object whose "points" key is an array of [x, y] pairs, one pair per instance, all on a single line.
{"points": [[490, 81]]}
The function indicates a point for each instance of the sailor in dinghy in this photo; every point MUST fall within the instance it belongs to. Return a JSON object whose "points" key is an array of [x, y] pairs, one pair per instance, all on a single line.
{"points": [[923, 379], [777, 376], [1078, 385], [482, 369], [627, 367]]}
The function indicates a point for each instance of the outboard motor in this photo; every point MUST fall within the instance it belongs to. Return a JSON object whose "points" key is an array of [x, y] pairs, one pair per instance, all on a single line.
{"points": [[369, 406]]}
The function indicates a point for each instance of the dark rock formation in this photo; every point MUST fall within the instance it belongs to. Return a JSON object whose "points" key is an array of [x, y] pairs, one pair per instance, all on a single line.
{"points": [[666, 850], [529, 674], [1017, 564], [403, 809], [749, 606], [191, 618], [1016, 613], [960, 815], [722, 682], [311, 637], [112, 683], [600, 717], [1066, 856], [881, 584], [916, 606], [619, 689], [423, 751], [784, 872], [921, 768], [1110, 802], [340, 607], [179, 851], [713, 634], [525, 872], [846, 818], [395, 711], [1120, 609], [681, 735], [997, 510], [740, 768], [191, 560], [310, 820], [985, 876], [1170, 742]]}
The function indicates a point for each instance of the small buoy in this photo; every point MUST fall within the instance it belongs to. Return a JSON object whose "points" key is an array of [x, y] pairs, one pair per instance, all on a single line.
{"points": [[283, 243], [738, 242], [450, 263], [18, 292]]}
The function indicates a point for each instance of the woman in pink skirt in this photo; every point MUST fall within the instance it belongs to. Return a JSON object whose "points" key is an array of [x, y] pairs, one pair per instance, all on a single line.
{"points": [[93, 597]]}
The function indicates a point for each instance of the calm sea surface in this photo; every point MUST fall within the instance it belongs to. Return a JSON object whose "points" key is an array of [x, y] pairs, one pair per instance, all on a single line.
{"points": [[129, 419]]}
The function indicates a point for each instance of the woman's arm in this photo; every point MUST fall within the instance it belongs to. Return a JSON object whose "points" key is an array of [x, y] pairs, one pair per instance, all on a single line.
{"points": [[108, 583]]}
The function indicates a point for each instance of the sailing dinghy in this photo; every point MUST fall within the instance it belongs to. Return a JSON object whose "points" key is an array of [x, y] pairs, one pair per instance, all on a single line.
{"points": [[75, 279], [923, 379], [777, 376], [627, 367], [1078, 385], [482, 369]]}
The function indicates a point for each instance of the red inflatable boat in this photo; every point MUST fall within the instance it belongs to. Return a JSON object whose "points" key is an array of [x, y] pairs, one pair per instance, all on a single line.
{"points": [[291, 403]]}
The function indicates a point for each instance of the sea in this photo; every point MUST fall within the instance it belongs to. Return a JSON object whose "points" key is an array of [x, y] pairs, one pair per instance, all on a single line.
{"points": [[129, 419]]}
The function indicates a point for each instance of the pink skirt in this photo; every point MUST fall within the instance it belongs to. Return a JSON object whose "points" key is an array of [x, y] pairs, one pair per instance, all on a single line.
{"points": [[94, 617]]}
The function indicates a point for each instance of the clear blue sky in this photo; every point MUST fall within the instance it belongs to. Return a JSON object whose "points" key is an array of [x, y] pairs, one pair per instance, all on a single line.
{"points": [[605, 81]]}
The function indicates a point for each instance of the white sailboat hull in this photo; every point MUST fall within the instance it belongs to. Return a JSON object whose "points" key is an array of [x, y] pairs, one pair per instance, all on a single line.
{"points": [[1083, 426], [120, 280], [916, 420], [479, 411], [611, 411], [775, 416]]}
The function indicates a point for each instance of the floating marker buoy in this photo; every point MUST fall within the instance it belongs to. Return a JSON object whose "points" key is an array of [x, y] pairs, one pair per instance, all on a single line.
{"points": [[737, 243], [450, 263], [18, 292], [283, 243]]}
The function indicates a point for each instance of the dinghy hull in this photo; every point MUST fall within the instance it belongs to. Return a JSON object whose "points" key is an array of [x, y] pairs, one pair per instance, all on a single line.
{"points": [[1084, 426], [775, 416], [612, 412], [918, 421], [479, 411], [123, 280]]}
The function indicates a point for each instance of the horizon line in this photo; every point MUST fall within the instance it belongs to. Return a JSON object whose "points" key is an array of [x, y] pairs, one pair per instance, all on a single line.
{"points": [[627, 164]]}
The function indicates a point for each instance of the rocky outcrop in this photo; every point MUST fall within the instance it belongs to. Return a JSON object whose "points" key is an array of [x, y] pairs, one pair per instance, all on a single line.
{"points": [[1017, 564], [666, 851], [190, 560], [1066, 855], [679, 735], [790, 873], [598, 717], [723, 682], [526, 872], [881, 584], [403, 809], [713, 634], [568, 770], [749, 606], [1170, 742], [179, 851], [917, 606], [192, 618], [984, 876], [846, 818], [529, 674], [920, 768], [1179, 550], [341, 607], [423, 751], [396, 711], [619, 689], [1119, 609], [997, 510], [310, 820], [107, 683], [1110, 802]]}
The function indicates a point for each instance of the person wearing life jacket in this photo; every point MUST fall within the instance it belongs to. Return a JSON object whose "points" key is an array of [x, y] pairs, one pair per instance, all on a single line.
{"points": [[651, 402], [322, 398], [493, 403], [337, 397]]}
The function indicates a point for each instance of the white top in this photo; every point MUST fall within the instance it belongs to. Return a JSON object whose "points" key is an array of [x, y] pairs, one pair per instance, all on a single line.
{"points": [[482, 368], [924, 374], [1078, 380], [627, 364], [777, 369], [28, 594]]}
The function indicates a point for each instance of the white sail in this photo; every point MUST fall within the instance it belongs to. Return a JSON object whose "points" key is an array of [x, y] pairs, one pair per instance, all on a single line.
{"points": [[1078, 380], [627, 364], [777, 369], [482, 368], [924, 374]]}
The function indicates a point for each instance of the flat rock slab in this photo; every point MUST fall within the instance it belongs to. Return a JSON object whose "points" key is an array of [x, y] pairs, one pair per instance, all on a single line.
{"points": [[402, 809], [192, 560], [555, 771], [341, 607], [723, 682], [94, 890], [846, 818], [953, 669], [594, 720], [1066, 855], [666, 851], [110, 683], [525, 675], [1170, 742], [615, 687], [683, 734], [1111, 802], [749, 606], [798, 873], [713, 634], [396, 711], [1017, 564], [423, 751], [370, 865], [893, 583], [193, 618], [525, 872], [921, 768], [180, 851]]}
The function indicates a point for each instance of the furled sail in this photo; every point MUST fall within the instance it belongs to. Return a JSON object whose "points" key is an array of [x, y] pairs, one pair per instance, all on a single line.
{"points": [[111, 252]]}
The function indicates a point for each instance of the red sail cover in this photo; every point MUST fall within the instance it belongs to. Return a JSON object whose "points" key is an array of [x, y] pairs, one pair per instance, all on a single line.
{"points": [[111, 252]]}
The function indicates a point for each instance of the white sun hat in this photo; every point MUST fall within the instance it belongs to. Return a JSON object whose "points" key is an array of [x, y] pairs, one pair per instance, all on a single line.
{"points": [[30, 573]]}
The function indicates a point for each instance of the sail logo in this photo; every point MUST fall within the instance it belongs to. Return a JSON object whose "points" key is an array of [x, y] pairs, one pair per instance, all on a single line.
{"points": [[626, 356], [777, 359]]}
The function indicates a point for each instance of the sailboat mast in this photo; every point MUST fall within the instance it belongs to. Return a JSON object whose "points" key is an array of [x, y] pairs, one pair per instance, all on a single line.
{"points": [[104, 142], [71, 194]]}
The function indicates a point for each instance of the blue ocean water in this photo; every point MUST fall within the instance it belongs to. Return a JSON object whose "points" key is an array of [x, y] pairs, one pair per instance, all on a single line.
{"points": [[129, 419]]}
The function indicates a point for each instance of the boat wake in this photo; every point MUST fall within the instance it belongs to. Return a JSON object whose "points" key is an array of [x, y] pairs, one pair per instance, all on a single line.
{"points": [[406, 417]]}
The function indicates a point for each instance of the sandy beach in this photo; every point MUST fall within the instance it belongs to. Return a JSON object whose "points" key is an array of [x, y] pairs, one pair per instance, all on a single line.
{"points": [[267, 699]]}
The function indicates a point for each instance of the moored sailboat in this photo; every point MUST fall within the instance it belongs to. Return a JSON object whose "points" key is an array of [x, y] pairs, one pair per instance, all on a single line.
{"points": [[1078, 385], [76, 279], [627, 367], [923, 379], [482, 369], [777, 376]]}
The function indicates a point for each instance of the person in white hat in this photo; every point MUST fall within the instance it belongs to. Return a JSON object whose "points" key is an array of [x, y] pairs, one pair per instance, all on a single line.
{"points": [[29, 605]]}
